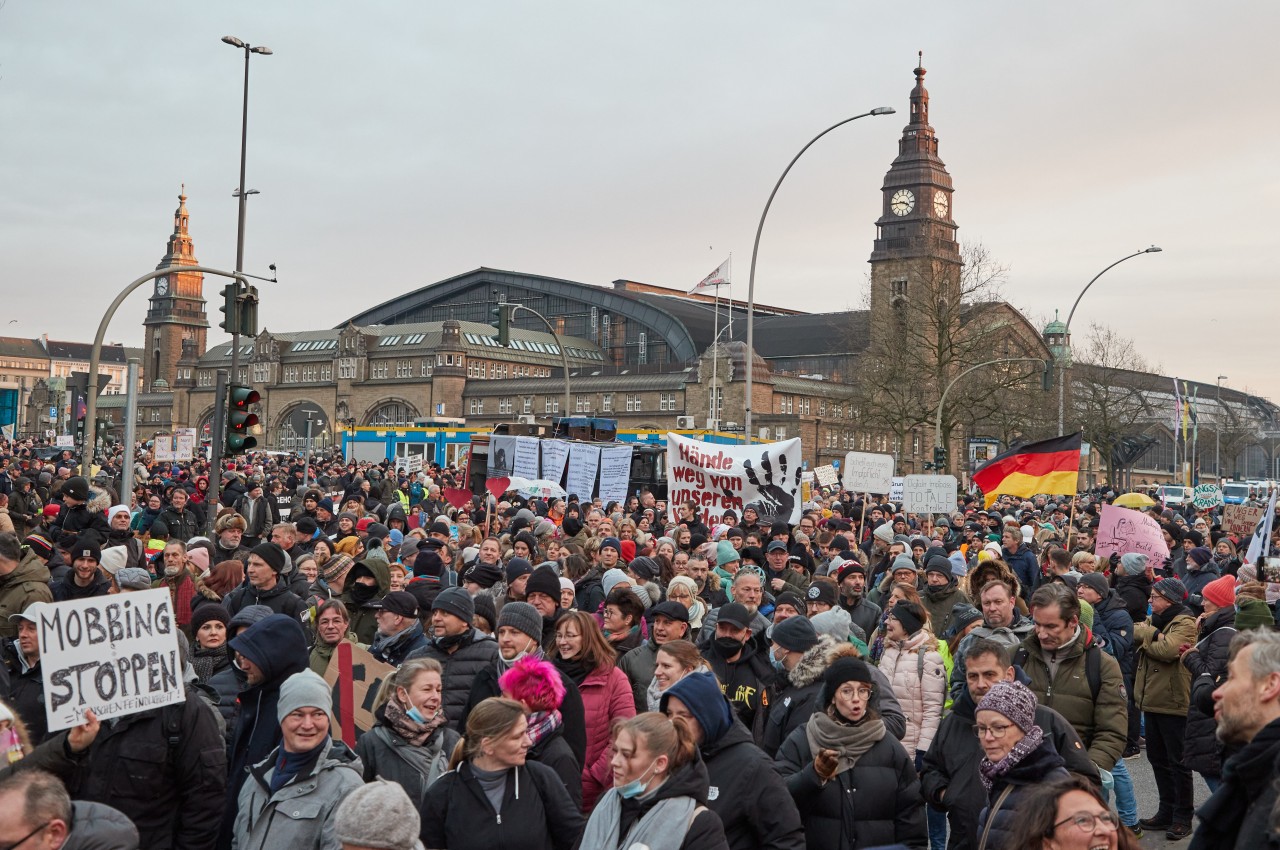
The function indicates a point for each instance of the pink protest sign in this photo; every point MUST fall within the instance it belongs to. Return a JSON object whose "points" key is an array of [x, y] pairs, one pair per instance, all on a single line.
{"points": [[1124, 530]]}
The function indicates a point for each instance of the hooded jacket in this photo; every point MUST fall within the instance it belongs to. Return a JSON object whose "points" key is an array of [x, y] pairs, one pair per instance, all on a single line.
{"points": [[1136, 593], [1011, 636], [1201, 750], [477, 652], [27, 584], [537, 813], [746, 682], [301, 813], [1113, 616], [920, 687], [364, 619]]}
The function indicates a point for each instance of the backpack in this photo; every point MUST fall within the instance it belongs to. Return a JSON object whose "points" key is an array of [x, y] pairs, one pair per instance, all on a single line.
{"points": [[1092, 666]]}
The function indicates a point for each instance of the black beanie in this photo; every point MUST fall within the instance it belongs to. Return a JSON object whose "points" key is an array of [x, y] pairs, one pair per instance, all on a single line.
{"points": [[207, 611], [910, 615], [543, 580], [272, 554], [845, 669]]}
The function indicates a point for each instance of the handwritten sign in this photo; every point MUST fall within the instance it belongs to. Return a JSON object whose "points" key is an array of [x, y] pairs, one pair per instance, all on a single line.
{"points": [[826, 476], [615, 472], [1123, 530], [584, 463], [895, 489], [1206, 496], [115, 654], [865, 472], [1240, 520], [555, 454], [718, 477], [355, 677], [929, 494]]}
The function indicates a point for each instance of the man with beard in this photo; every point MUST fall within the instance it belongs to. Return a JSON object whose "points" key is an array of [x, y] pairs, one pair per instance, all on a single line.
{"points": [[228, 544], [118, 519], [85, 579], [177, 580], [941, 592], [1001, 622], [864, 613], [748, 592], [744, 673], [461, 649]]}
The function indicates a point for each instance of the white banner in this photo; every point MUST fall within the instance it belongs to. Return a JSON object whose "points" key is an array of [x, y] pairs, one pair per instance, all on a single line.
{"points": [[115, 654], [1260, 542], [555, 454], [502, 457], [929, 494], [867, 472], [584, 462], [615, 473], [720, 477], [527, 456]]}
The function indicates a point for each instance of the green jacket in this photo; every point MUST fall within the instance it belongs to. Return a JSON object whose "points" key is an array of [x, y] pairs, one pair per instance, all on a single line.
{"points": [[1102, 725], [19, 589], [1161, 684]]}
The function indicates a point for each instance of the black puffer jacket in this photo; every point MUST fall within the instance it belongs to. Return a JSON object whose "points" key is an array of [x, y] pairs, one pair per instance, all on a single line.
{"points": [[1113, 614], [554, 751], [279, 599], [749, 795], [478, 652], [1135, 591], [1201, 750], [537, 813], [875, 802], [1043, 764], [183, 524]]}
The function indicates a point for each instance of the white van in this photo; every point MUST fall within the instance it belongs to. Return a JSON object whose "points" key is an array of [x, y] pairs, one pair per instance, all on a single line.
{"points": [[1172, 494]]}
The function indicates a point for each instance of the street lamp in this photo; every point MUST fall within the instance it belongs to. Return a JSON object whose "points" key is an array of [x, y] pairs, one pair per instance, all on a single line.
{"points": [[1066, 334], [1217, 432], [240, 193], [755, 248]]}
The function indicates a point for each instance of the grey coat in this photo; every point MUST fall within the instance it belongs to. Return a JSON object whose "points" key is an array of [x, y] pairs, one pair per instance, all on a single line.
{"points": [[95, 826], [300, 815]]}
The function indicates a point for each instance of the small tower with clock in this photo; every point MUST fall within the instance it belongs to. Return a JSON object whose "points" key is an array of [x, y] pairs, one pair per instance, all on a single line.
{"points": [[176, 312], [915, 259]]}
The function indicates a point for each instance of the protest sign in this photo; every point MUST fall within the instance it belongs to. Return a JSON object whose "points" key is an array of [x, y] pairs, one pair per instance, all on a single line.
{"points": [[720, 477], [65, 441], [826, 476], [929, 494], [1240, 520], [115, 654], [527, 457], [1124, 530], [584, 462], [412, 463], [355, 677], [1206, 496], [866, 472], [555, 454], [502, 457], [895, 489], [615, 472]]}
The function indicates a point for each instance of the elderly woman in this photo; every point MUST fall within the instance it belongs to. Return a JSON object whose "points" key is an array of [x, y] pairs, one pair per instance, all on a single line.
{"points": [[684, 590]]}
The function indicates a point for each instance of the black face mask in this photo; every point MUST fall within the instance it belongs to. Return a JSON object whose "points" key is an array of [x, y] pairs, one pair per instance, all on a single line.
{"points": [[450, 641], [362, 593], [727, 647]]}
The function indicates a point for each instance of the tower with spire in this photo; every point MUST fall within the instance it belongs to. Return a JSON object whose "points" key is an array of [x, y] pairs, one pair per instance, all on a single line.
{"points": [[176, 311], [915, 259]]}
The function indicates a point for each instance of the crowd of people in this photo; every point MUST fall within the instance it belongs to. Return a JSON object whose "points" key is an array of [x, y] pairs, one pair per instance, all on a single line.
{"points": [[569, 674]]}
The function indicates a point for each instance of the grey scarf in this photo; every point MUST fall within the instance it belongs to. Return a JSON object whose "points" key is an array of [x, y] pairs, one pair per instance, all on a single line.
{"points": [[850, 741], [663, 827]]}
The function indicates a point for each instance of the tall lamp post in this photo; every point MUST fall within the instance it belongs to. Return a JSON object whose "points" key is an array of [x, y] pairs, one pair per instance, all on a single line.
{"points": [[1217, 432], [1062, 366], [755, 248], [241, 194]]}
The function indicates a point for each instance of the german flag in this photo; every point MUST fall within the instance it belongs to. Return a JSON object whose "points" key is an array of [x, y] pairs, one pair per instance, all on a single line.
{"points": [[1050, 467]]}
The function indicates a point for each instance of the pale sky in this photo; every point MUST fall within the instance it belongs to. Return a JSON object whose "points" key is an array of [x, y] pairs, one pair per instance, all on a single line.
{"points": [[399, 143]]}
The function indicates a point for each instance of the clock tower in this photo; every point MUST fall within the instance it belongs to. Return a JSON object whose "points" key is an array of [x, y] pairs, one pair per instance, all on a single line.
{"points": [[176, 312], [916, 259]]}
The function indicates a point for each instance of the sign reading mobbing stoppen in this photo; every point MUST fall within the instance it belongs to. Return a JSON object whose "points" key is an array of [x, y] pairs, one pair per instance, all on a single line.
{"points": [[115, 654]]}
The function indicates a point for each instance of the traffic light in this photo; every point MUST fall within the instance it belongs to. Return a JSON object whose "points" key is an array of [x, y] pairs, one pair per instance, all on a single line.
{"points": [[939, 457], [239, 419], [231, 307], [247, 318], [501, 316], [1046, 377]]}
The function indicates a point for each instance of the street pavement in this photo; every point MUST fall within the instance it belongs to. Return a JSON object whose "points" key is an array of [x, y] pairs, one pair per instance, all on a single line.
{"points": [[1144, 788]]}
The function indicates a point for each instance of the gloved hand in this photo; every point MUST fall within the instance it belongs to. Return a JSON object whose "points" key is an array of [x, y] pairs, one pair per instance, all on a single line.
{"points": [[825, 764]]}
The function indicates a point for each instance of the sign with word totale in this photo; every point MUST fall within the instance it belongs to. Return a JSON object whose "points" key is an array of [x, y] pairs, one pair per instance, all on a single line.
{"points": [[115, 654], [868, 472], [929, 494], [718, 477]]}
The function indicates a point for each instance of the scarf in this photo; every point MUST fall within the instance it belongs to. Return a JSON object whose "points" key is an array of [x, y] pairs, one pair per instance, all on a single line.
{"points": [[542, 725], [991, 772], [181, 588], [417, 734], [1161, 621], [206, 662], [877, 646], [575, 668], [1244, 778], [849, 740], [653, 695], [290, 765], [663, 827]]}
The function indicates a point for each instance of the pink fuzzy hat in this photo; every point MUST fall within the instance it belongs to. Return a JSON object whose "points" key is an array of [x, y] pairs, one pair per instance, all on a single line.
{"points": [[534, 682]]}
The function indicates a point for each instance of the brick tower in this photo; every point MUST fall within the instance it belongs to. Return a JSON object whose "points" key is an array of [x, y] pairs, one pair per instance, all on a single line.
{"points": [[176, 312]]}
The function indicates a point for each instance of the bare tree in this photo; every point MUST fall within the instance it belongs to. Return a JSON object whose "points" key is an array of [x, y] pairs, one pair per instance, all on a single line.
{"points": [[1107, 389]]}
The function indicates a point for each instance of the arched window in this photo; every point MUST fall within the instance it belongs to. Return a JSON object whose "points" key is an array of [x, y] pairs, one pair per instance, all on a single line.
{"points": [[391, 413]]}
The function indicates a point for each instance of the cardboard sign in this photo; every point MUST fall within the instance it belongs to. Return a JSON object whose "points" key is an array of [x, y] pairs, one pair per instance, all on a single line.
{"points": [[1240, 520], [826, 476], [1206, 496], [1124, 530], [355, 676], [865, 472], [720, 477], [115, 654], [929, 494]]}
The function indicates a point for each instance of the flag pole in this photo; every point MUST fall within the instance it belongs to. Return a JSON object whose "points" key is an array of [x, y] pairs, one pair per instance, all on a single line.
{"points": [[715, 361]]}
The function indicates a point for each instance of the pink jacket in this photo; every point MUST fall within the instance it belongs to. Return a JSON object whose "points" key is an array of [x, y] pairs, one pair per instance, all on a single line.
{"points": [[921, 688], [606, 696]]}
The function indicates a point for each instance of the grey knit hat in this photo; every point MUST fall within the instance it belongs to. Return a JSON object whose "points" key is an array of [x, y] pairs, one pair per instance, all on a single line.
{"points": [[1014, 700], [379, 815], [522, 617], [303, 690], [133, 578], [1172, 589]]}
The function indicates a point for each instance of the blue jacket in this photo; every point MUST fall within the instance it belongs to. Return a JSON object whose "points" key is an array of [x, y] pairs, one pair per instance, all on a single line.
{"points": [[1026, 568]]}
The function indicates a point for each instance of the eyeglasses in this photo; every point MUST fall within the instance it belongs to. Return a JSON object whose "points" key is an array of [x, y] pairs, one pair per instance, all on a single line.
{"points": [[23, 839], [996, 730], [851, 693], [1088, 821]]}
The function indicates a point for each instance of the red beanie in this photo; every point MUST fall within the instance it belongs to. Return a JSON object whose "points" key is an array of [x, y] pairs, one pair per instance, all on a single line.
{"points": [[1221, 591], [628, 550]]}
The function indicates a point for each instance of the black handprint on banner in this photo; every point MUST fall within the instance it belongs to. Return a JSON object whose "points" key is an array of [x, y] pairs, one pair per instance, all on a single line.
{"points": [[776, 502]]}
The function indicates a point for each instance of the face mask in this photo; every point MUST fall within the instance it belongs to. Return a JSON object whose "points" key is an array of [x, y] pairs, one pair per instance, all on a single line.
{"points": [[362, 592], [449, 641], [635, 787], [778, 665], [414, 714], [727, 647]]}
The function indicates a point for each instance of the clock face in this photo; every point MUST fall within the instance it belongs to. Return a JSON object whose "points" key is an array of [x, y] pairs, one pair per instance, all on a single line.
{"points": [[940, 204], [162, 285], [902, 202]]}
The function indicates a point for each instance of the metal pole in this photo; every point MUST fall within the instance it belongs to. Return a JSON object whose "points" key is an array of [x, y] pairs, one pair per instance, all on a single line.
{"points": [[755, 249], [564, 358], [1217, 433], [244, 143], [95, 357], [1062, 367], [937, 424], [306, 464], [130, 427]]}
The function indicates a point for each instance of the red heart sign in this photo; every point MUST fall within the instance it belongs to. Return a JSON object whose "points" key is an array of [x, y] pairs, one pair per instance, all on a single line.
{"points": [[456, 496], [498, 486]]}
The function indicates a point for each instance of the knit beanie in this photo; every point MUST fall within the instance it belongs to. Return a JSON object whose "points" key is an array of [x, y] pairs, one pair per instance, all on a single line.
{"points": [[792, 599], [1097, 582], [1253, 614], [336, 566], [522, 617], [611, 543], [117, 509], [909, 614], [701, 694], [113, 559], [795, 634], [199, 556], [884, 532], [1013, 700], [544, 580], [533, 681], [1200, 556], [903, 562], [1221, 591], [272, 554], [306, 689], [1134, 563], [611, 579], [456, 601], [134, 578], [39, 544], [941, 564], [347, 546], [1171, 589], [845, 669], [517, 567], [485, 575], [379, 816], [206, 611], [627, 550]]}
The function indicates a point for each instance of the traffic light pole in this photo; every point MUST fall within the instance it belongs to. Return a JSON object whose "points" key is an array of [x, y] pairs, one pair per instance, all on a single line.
{"points": [[95, 357], [564, 358], [937, 425]]}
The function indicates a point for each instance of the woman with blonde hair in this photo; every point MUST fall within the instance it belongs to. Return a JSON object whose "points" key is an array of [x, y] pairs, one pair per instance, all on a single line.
{"points": [[659, 794], [675, 660]]}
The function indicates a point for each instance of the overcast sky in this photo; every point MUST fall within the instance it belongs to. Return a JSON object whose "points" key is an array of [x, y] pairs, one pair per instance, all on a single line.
{"points": [[399, 143]]}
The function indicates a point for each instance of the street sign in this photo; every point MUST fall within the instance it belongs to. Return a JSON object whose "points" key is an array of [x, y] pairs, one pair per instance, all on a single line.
{"points": [[929, 494], [865, 472]]}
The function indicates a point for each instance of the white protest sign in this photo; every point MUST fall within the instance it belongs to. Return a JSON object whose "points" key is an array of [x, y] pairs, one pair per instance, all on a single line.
{"points": [[615, 473], [1207, 496], [720, 477], [895, 489], [866, 472], [65, 441], [929, 494], [527, 457], [555, 454], [412, 463], [584, 462], [115, 654], [826, 476]]}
